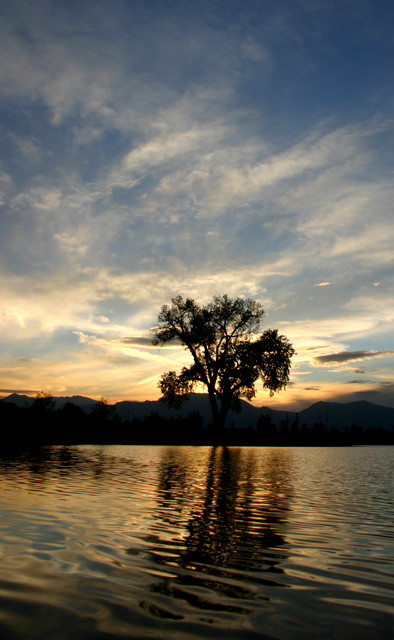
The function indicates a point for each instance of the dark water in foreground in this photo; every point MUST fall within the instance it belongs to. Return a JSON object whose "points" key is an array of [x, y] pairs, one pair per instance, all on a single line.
{"points": [[183, 543]]}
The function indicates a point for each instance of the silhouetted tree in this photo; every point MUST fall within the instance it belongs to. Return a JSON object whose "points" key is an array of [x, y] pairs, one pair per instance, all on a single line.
{"points": [[41, 412], [294, 429], [71, 423], [318, 433], [43, 404], [102, 411], [356, 432], [229, 356], [196, 421], [72, 412], [266, 427], [284, 427]]}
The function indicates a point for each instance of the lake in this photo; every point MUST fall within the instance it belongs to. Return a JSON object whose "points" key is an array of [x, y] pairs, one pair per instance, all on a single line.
{"points": [[104, 542]]}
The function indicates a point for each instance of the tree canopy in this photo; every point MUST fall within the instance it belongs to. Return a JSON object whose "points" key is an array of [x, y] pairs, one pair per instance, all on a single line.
{"points": [[229, 354], [43, 404]]}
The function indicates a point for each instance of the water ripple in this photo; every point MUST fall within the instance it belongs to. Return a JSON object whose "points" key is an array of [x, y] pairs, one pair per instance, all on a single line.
{"points": [[149, 542]]}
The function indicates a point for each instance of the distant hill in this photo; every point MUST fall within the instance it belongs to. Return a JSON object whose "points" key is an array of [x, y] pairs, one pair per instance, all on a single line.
{"points": [[339, 415], [333, 414], [197, 402], [362, 413], [130, 409], [22, 401]]}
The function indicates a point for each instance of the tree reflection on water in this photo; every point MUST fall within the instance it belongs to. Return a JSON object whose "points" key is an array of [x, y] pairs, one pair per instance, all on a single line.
{"points": [[192, 542], [210, 528], [235, 528]]}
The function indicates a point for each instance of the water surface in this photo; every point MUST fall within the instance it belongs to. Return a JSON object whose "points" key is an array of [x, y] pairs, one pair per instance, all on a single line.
{"points": [[197, 542]]}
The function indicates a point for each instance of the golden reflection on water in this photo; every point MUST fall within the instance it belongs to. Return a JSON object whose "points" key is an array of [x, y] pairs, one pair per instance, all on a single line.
{"points": [[119, 541], [230, 522]]}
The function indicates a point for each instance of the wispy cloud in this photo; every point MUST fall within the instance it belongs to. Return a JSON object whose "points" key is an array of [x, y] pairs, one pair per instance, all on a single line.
{"points": [[347, 356], [150, 153], [118, 348]]}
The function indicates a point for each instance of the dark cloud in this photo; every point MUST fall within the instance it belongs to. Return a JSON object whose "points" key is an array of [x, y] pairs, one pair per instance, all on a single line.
{"points": [[363, 381], [137, 341], [311, 388], [147, 343], [347, 356], [358, 371]]}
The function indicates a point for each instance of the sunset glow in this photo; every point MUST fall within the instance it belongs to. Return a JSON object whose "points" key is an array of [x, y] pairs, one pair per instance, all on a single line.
{"points": [[152, 149]]}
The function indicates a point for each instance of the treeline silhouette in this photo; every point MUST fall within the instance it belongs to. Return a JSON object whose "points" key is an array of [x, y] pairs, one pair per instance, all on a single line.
{"points": [[43, 424]]}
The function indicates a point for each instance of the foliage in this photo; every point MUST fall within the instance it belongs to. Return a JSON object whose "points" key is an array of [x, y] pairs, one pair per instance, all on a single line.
{"points": [[265, 426], [43, 404], [71, 411], [228, 354], [102, 411]]}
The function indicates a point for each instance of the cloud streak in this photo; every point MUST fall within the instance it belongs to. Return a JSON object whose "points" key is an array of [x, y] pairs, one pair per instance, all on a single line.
{"points": [[150, 152], [349, 356]]}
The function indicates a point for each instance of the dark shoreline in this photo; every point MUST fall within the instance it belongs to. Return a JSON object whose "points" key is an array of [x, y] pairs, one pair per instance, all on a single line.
{"points": [[29, 427]]}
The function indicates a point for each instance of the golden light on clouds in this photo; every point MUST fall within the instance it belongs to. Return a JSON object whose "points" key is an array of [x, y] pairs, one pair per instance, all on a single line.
{"points": [[142, 173]]}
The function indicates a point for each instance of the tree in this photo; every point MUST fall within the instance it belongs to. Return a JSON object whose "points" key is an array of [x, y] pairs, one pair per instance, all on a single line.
{"points": [[42, 412], [103, 411], [43, 404], [228, 354], [266, 427]]}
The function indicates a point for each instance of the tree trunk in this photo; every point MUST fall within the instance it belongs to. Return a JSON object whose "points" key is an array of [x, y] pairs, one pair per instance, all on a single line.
{"points": [[219, 417], [224, 409], [214, 409]]}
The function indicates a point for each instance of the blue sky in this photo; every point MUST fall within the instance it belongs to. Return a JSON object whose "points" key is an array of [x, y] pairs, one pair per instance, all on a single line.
{"points": [[150, 149]]}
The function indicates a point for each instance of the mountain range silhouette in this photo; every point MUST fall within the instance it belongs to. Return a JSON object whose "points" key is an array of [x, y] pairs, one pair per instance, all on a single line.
{"points": [[331, 414]]}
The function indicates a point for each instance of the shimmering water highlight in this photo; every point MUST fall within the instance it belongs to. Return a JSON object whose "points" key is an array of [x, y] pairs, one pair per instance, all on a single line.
{"points": [[197, 542]]}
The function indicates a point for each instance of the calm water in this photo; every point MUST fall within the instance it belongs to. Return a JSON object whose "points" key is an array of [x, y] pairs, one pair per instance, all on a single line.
{"points": [[184, 543]]}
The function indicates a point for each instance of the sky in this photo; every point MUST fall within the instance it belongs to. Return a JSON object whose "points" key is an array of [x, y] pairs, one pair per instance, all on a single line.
{"points": [[153, 148]]}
